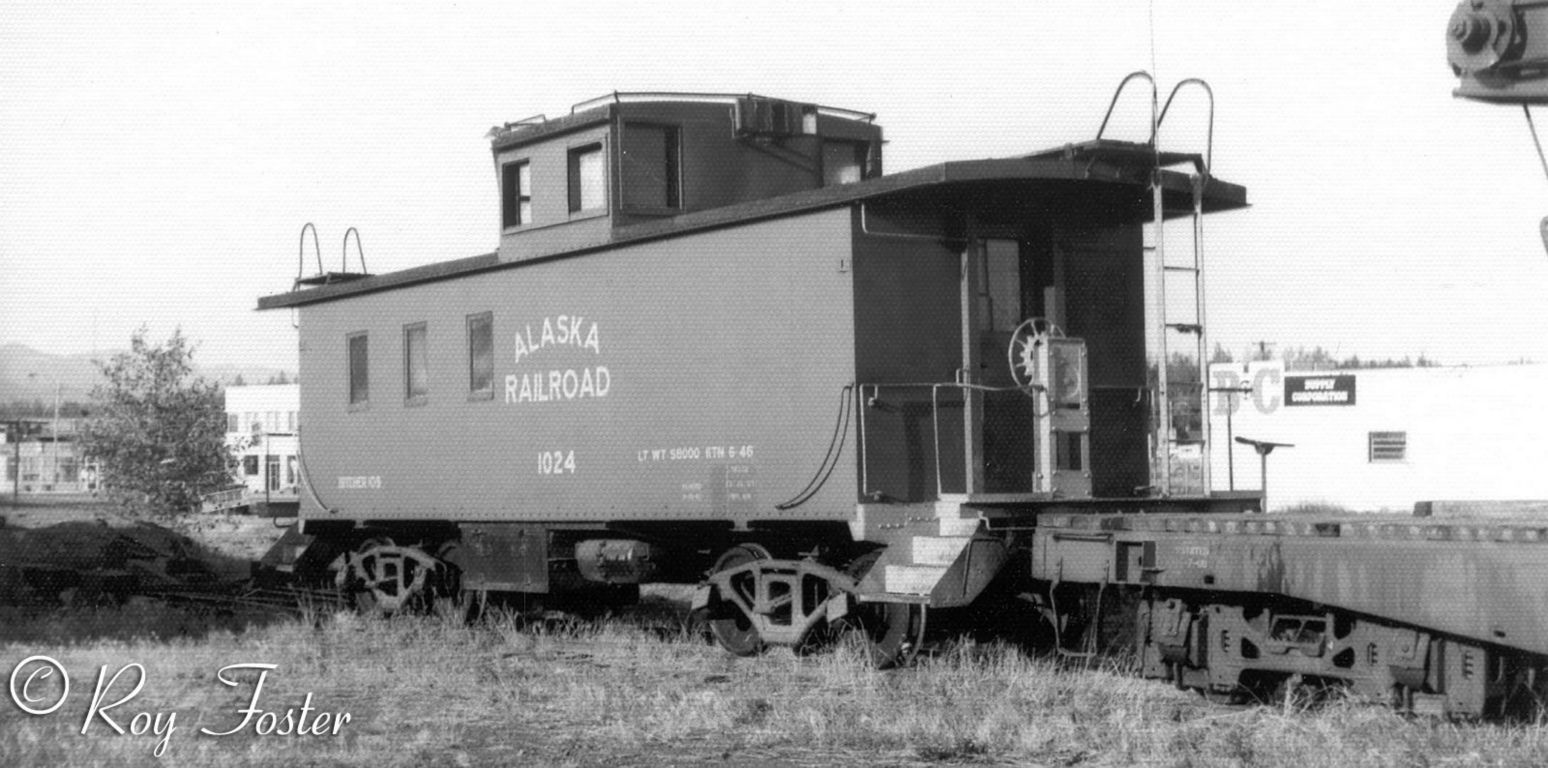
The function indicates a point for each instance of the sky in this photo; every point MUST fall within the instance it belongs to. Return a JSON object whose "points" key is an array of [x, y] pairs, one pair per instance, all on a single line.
{"points": [[158, 160]]}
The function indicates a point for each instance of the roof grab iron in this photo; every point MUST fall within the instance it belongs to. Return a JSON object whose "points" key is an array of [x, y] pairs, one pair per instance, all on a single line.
{"points": [[324, 277], [344, 257], [301, 254]]}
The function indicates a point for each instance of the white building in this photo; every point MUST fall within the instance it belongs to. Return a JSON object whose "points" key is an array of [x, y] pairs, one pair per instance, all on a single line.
{"points": [[261, 423], [40, 455], [1382, 439]]}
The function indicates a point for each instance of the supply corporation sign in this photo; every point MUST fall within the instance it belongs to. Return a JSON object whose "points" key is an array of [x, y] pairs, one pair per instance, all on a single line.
{"points": [[1320, 390]]}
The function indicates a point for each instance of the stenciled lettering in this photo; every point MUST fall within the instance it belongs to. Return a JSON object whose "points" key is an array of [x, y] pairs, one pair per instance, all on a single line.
{"points": [[563, 330], [553, 385], [558, 383]]}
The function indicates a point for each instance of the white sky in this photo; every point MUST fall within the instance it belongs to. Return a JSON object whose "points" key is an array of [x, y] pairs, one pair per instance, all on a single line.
{"points": [[157, 161]]}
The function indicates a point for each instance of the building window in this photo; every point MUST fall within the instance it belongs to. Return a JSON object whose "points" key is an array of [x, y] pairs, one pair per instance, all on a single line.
{"points": [[416, 364], [481, 356], [250, 466], [291, 419], [1387, 447], [843, 162], [650, 161], [290, 470], [233, 423], [359, 374], [271, 472], [586, 179], [516, 194]]}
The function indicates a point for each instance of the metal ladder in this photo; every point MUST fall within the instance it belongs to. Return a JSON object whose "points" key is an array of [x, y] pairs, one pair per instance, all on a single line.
{"points": [[1161, 441]]}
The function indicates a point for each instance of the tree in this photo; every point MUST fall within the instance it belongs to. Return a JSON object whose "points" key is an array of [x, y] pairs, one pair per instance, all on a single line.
{"points": [[157, 431], [1303, 359]]}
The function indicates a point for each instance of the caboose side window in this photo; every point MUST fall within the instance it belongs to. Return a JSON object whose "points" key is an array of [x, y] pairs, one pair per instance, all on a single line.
{"points": [[516, 194], [650, 162], [416, 365], [359, 376], [481, 356], [843, 162], [586, 179]]}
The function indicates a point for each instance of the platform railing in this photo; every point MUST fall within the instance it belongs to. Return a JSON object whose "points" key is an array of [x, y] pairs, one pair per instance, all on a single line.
{"points": [[871, 397]]}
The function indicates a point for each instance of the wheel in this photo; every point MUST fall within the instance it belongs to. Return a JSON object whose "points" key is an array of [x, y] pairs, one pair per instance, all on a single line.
{"points": [[385, 578], [738, 634], [447, 599], [889, 634]]}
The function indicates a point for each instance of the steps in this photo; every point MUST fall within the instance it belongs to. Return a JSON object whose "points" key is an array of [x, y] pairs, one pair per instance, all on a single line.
{"points": [[941, 560]]}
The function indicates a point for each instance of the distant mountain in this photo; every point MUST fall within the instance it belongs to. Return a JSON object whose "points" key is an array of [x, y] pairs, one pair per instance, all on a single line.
{"points": [[27, 374]]}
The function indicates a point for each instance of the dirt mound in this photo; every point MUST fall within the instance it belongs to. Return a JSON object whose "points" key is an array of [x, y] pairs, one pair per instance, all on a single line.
{"points": [[71, 561]]}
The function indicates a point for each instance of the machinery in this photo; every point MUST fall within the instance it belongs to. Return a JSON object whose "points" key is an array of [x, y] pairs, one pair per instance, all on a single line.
{"points": [[717, 345], [1499, 51]]}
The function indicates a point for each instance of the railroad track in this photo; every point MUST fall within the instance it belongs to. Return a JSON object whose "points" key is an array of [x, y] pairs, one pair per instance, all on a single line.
{"points": [[294, 600]]}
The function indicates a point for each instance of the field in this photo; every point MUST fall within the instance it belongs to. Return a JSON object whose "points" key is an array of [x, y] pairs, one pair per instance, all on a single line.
{"points": [[643, 688]]}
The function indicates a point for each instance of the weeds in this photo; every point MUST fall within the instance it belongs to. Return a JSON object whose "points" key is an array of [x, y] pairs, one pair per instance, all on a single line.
{"points": [[518, 688]]}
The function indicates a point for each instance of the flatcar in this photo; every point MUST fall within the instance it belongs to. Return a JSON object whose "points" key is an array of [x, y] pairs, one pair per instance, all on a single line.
{"points": [[718, 345]]}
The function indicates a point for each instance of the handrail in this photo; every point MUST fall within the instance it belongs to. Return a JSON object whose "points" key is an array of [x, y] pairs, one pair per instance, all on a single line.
{"points": [[935, 421], [1153, 121], [1209, 145]]}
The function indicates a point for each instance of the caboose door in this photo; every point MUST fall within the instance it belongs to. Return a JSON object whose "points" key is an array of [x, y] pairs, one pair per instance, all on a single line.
{"points": [[996, 424]]}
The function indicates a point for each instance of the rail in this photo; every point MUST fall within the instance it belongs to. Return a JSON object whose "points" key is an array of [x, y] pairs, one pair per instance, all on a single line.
{"points": [[870, 397]]}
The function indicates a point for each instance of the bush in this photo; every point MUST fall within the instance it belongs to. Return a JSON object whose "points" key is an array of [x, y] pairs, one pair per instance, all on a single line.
{"points": [[158, 432]]}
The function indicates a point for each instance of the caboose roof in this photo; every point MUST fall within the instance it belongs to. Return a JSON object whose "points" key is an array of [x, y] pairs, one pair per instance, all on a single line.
{"points": [[1092, 176]]}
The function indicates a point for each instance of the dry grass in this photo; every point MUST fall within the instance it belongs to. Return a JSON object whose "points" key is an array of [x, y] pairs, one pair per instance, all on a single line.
{"points": [[643, 690], [649, 691]]}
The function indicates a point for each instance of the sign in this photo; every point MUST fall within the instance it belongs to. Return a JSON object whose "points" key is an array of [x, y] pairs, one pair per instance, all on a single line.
{"points": [[1320, 390]]}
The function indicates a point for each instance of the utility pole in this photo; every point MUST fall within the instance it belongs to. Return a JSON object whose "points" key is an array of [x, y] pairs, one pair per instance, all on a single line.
{"points": [[16, 438], [58, 387], [1231, 393]]}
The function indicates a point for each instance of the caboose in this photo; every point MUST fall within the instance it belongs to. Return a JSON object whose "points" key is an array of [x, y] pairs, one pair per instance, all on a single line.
{"points": [[717, 344]]}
